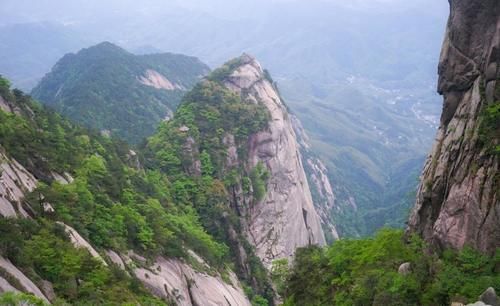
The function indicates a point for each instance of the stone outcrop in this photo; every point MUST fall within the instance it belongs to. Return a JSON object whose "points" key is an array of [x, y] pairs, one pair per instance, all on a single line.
{"points": [[286, 218], [458, 200], [157, 80], [22, 283], [79, 242], [175, 281], [404, 268], [487, 298], [321, 189], [490, 297], [15, 181]]}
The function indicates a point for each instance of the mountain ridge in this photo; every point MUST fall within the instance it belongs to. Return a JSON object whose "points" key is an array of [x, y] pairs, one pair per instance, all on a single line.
{"points": [[109, 89]]}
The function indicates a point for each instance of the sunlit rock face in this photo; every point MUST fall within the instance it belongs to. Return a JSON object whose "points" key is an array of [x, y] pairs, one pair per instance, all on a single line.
{"points": [[22, 282], [286, 218], [324, 197], [174, 280], [15, 181], [458, 199]]}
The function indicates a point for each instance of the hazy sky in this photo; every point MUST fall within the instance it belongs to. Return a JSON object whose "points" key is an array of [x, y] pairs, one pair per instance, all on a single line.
{"points": [[29, 10], [320, 38]]}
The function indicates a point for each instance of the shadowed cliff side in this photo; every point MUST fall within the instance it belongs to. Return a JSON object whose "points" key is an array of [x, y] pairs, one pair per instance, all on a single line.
{"points": [[458, 199]]}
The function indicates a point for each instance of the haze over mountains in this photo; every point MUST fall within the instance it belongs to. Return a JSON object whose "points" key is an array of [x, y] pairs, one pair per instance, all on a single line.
{"points": [[131, 175], [371, 115]]}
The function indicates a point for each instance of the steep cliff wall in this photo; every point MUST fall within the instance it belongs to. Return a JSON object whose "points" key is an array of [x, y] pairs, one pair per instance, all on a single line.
{"points": [[285, 218], [322, 191], [458, 201]]}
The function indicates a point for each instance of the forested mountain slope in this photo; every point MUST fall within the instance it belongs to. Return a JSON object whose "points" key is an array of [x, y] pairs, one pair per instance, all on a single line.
{"points": [[111, 90], [83, 221], [221, 184], [234, 130]]}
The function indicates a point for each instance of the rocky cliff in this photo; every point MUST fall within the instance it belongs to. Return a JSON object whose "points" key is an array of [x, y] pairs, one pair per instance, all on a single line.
{"points": [[176, 281], [285, 218], [458, 201], [322, 191]]}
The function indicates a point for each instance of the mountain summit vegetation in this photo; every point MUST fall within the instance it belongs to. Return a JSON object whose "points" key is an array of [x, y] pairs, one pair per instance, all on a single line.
{"points": [[111, 90]]}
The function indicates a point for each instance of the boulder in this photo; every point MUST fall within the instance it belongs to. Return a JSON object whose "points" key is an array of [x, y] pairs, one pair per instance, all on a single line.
{"points": [[477, 304], [489, 297], [405, 268]]}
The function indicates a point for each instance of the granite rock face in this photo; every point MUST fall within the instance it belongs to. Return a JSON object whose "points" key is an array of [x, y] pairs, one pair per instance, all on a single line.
{"points": [[15, 181], [24, 283], [458, 200], [322, 191], [286, 218], [175, 281]]}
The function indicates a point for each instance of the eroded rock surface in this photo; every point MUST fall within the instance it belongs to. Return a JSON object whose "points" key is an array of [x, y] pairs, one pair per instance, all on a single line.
{"points": [[79, 242], [458, 199], [26, 284], [175, 281], [15, 181], [321, 189], [286, 218], [155, 79]]}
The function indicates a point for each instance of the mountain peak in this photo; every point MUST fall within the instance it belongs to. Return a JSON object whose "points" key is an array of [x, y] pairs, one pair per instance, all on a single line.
{"points": [[105, 48], [239, 73], [246, 58], [106, 88]]}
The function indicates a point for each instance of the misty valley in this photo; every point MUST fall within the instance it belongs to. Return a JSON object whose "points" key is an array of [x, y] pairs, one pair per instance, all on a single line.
{"points": [[250, 153]]}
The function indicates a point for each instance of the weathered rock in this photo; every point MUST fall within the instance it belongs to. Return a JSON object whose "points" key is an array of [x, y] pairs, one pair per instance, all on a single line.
{"points": [[5, 286], [24, 281], [490, 297], [79, 242], [317, 174], [174, 280], [232, 151], [15, 181], [63, 179], [4, 106], [48, 290], [405, 268], [286, 218], [190, 152], [477, 304], [458, 200], [157, 80], [115, 258]]}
